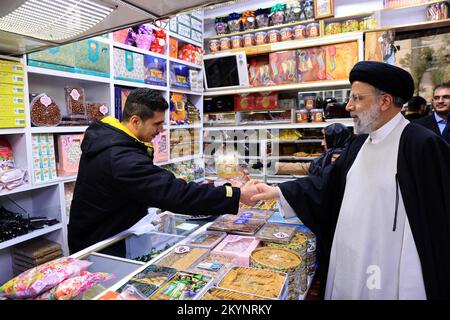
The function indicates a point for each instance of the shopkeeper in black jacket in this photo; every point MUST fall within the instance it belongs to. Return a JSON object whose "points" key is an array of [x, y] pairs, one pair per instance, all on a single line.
{"points": [[117, 181]]}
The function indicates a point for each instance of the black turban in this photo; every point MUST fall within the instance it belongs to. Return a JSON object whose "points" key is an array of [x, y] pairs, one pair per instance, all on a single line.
{"points": [[385, 77]]}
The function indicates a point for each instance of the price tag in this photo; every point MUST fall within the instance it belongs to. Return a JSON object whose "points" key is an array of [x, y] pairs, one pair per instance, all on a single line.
{"points": [[182, 249], [281, 235]]}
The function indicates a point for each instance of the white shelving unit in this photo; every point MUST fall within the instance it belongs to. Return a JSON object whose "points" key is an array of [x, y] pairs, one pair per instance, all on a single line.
{"points": [[35, 197]]}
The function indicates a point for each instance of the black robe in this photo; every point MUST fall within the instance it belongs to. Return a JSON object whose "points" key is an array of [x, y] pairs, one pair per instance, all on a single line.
{"points": [[423, 171]]}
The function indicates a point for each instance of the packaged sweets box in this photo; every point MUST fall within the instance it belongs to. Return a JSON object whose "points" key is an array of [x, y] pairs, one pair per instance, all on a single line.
{"points": [[283, 67], [128, 65], [11, 67], [86, 56], [154, 70], [69, 153]]}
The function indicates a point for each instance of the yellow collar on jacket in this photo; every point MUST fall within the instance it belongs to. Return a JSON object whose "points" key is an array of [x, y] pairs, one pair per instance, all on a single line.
{"points": [[118, 125]]}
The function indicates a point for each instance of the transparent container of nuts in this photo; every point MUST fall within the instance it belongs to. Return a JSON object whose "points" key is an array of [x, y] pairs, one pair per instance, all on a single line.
{"points": [[44, 111], [75, 100], [96, 110]]}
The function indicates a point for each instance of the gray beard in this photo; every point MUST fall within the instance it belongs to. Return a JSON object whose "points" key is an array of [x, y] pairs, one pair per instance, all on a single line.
{"points": [[367, 120]]}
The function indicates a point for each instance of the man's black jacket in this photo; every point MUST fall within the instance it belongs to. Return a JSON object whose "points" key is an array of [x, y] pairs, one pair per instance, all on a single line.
{"points": [[117, 182]]}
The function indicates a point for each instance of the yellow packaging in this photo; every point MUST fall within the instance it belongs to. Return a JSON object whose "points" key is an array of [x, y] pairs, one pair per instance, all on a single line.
{"points": [[10, 100], [10, 78], [12, 111], [11, 67], [12, 122], [10, 89]]}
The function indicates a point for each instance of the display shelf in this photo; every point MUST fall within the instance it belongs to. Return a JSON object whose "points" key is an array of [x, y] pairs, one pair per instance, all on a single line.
{"points": [[290, 158], [295, 141], [138, 50], [186, 63], [62, 129], [348, 123], [57, 180], [292, 24], [65, 74], [184, 39], [31, 235], [231, 141], [138, 85], [22, 188], [185, 91], [409, 6], [282, 87], [5, 131], [184, 126], [181, 159], [297, 44], [417, 26]]}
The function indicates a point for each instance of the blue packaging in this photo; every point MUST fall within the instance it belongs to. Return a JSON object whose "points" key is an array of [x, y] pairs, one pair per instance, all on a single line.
{"points": [[179, 76], [155, 70]]}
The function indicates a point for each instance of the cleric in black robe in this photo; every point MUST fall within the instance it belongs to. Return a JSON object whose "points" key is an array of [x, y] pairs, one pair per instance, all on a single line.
{"points": [[417, 185]]}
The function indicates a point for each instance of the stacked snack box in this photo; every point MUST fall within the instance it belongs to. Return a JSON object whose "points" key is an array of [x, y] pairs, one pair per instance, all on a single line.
{"points": [[12, 102], [43, 151]]}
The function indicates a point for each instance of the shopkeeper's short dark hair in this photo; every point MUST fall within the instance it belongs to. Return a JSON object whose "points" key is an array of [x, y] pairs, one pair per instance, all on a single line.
{"points": [[143, 102]]}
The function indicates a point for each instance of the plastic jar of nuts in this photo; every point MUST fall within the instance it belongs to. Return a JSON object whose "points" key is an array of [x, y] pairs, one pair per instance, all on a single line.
{"points": [[44, 111], [333, 28], [312, 29], [286, 34], [75, 100], [299, 32], [225, 44], [260, 38], [274, 36], [249, 39], [214, 45], [317, 115], [236, 42], [96, 110]]}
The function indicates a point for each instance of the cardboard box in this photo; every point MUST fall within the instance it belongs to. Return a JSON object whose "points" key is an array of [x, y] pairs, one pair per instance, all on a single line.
{"points": [[12, 111], [244, 102], [196, 36], [173, 24], [161, 147], [184, 31], [266, 100], [184, 19], [128, 65], [92, 55], [155, 70], [10, 89], [340, 59], [60, 55], [120, 36], [11, 67], [13, 101], [12, 122], [197, 14], [311, 64], [259, 71], [283, 67], [196, 24], [11, 78], [173, 48], [69, 153]]}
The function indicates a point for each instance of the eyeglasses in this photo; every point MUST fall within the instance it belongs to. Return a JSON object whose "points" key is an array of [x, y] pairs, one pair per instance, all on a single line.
{"points": [[445, 97], [358, 97]]}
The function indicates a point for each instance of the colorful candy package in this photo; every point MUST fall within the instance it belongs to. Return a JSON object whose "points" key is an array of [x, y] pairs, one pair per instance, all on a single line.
{"points": [[73, 287], [39, 279]]}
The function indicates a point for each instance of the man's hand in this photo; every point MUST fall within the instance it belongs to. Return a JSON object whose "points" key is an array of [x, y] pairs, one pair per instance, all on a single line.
{"points": [[265, 192], [248, 190]]}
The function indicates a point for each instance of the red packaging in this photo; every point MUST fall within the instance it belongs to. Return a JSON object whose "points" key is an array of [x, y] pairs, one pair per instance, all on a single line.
{"points": [[311, 64], [173, 48], [244, 102], [283, 67], [159, 45], [121, 35], [259, 71], [266, 100]]}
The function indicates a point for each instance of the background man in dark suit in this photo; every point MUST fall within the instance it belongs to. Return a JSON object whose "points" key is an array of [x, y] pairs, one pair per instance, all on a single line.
{"points": [[438, 122]]}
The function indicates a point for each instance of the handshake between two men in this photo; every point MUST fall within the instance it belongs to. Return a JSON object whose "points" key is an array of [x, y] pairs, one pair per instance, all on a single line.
{"points": [[254, 190]]}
